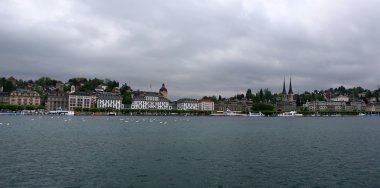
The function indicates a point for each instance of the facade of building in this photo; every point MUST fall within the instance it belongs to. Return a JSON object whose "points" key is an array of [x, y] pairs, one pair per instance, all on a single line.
{"points": [[150, 102], [59, 85], [4, 97], [340, 99], [206, 105], [187, 104], [80, 100], [108, 100], [316, 106], [25, 98], [233, 105], [335, 106], [57, 100]]}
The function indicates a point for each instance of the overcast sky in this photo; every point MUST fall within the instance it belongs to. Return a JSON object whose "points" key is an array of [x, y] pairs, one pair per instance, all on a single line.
{"points": [[195, 47]]}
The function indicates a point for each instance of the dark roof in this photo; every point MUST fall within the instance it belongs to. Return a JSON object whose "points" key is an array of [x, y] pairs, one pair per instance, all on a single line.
{"points": [[290, 86], [25, 91], [4, 94], [108, 96], [57, 93], [145, 93], [80, 93], [143, 98], [283, 88], [163, 88], [187, 100]]}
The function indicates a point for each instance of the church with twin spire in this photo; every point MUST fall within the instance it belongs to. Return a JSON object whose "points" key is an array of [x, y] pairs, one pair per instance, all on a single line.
{"points": [[286, 103], [287, 96]]}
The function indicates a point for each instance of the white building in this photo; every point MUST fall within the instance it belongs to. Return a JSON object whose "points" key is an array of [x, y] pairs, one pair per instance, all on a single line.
{"points": [[80, 100], [150, 102], [108, 100], [187, 104], [206, 105], [335, 106], [340, 98]]}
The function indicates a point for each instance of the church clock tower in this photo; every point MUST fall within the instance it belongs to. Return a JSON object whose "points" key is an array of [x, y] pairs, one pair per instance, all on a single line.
{"points": [[163, 91]]}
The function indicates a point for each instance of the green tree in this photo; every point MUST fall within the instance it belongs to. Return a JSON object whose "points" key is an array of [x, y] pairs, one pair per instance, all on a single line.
{"points": [[45, 82], [8, 86], [249, 94], [262, 107], [125, 88], [127, 98]]}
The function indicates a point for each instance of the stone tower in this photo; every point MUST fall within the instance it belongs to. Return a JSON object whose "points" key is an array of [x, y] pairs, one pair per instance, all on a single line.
{"points": [[163, 91], [72, 89]]}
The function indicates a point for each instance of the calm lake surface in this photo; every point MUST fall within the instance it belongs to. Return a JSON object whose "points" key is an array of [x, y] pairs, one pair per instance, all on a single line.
{"points": [[189, 152]]}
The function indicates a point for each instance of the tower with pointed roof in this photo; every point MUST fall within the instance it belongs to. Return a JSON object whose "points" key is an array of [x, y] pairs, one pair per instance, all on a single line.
{"points": [[163, 91], [290, 93], [284, 96]]}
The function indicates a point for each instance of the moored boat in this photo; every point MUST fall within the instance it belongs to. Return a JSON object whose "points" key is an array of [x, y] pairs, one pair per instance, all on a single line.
{"points": [[290, 114], [259, 114], [61, 112]]}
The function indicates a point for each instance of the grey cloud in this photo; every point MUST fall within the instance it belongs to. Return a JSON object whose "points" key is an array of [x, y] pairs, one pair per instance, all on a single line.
{"points": [[197, 48]]}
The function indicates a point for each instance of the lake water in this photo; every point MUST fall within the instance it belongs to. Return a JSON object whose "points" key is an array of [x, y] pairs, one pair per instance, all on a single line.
{"points": [[189, 152]]}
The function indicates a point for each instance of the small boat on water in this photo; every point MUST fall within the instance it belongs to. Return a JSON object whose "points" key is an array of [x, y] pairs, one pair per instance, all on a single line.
{"points": [[290, 114], [252, 114], [316, 115], [111, 114], [362, 114], [335, 115]]}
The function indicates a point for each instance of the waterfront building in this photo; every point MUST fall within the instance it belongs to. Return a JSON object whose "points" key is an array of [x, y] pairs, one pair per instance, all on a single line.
{"points": [[356, 106], [4, 97], [108, 100], [57, 100], [336, 106], [150, 101], [370, 108], [233, 105], [80, 100], [25, 98], [187, 104], [377, 107], [206, 105]]}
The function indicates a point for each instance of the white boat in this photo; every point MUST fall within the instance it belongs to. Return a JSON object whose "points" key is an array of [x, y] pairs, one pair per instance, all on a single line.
{"points": [[228, 112], [111, 113], [61, 112], [335, 115], [251, 114], [290, 114], [316, 115], [362, 114]]}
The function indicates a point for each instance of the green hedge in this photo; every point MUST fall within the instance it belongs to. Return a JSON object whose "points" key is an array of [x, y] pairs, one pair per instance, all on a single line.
{"points": [[18, 107], [144, 111]]}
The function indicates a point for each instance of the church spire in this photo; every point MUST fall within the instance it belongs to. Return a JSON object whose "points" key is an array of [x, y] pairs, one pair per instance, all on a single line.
{"points": [[283, 88], [290, 86]]}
